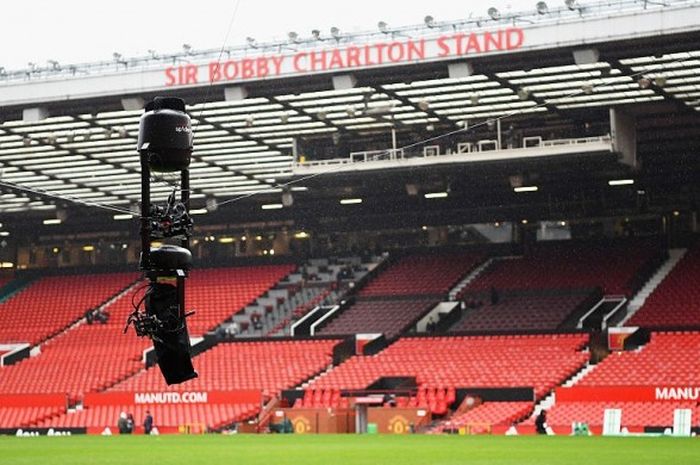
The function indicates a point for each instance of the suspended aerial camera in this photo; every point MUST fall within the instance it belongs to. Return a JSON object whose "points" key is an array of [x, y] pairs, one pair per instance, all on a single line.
{"points": [[165, 145]]}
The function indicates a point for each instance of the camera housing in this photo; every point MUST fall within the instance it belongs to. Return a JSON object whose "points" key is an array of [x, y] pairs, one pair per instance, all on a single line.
{"points": [[165, 135], [171, 257]]}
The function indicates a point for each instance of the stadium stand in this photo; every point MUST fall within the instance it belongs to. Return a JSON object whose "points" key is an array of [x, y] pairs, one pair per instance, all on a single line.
{"points": [[483, 417], [540, 361], [322, 398], [389, 317], [616, 267], [676, 301], [4, 281], [28, 416], [635, 415], [392, 301], [270, 366], [86, 358], [217, 293], [524, 312], [550, 283], [113, 356], [422, 274], [669, 359], [50, 304]]}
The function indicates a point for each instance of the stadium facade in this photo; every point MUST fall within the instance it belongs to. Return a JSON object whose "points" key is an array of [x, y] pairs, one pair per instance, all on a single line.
{"points": [[533, 175]]}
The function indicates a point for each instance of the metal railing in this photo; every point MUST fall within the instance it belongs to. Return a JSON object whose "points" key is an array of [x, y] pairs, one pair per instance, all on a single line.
{"points": [[464, 149]]}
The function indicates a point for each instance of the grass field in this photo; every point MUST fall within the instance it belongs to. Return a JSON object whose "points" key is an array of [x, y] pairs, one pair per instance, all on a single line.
{"points": [[347, 449]]}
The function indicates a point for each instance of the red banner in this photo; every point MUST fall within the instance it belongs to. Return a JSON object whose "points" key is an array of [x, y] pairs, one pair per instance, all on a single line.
{"points": [[247, 396], [628, 394], [33, 400]]}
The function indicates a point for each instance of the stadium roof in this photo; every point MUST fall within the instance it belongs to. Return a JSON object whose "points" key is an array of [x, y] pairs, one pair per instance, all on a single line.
{"points": [[84, 148]]}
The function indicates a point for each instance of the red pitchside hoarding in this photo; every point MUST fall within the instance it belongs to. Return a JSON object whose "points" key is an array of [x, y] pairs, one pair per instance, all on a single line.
{"points": [[628, 394], [244, 396]]}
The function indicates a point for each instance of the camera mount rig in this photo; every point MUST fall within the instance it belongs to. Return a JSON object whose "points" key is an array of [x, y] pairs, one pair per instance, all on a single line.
{"points": [[165, 144]]}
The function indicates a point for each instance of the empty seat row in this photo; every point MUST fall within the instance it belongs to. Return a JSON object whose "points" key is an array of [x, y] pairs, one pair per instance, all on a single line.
{"points": [[389, 317], [540, 362], [422, 274], [522, 313], [613, 267], [50, 304]]}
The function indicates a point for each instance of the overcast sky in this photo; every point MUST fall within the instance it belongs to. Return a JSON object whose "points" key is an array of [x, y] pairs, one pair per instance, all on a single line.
{"points": [[72, 31]]}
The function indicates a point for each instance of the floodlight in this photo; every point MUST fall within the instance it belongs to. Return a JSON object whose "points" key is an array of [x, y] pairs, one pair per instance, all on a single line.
{"points": [[644, 82], [335, 32], [493, 13], [211, 204], [429, 21], [316, 34], [293, 37], [287, 198], [383, 27], [571, 4], [621, 182], [542, 8], [252, 43]]}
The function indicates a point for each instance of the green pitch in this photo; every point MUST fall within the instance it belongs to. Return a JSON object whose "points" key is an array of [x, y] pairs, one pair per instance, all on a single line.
{"points": [[346, 449]]}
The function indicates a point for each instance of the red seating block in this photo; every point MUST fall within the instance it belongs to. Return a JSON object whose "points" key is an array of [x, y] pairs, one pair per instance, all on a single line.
{"points": [[676, 301], [50, 304], [270, 366], [422, 274], [613, 267], [378, 316], [540, 361]]}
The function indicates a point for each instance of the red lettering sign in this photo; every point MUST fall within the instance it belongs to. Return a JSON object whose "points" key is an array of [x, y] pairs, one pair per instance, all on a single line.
{"points": [[303, 62]]}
